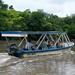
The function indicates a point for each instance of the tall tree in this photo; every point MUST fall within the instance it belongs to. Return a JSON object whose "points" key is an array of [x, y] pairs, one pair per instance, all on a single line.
{"points": [[2, 5]]}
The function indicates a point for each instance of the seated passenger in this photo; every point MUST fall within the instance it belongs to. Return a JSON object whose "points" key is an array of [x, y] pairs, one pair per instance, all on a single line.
{"points": [[59, 44], [43, 45], [49, 44], [28, 45]]}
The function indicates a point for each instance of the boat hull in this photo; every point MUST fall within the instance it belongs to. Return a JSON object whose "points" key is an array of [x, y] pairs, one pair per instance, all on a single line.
{"points": [[54, 52]]}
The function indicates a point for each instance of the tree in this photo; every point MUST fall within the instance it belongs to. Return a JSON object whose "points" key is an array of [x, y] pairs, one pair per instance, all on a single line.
{"points": [[3, 6], [37, 20]]}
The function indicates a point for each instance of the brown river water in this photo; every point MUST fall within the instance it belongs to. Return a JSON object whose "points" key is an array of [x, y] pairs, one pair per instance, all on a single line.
{"points": [[61, 64]]}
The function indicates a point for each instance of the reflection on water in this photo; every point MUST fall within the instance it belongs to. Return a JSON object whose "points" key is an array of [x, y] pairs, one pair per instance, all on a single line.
{"points": [[48, 65]]}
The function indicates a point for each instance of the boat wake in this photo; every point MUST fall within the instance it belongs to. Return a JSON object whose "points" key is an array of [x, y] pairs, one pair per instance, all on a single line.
{"points": [[6, 60]]}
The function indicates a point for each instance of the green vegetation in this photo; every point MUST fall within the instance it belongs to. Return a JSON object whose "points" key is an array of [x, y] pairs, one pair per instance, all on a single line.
{"points": [[12, 20]]}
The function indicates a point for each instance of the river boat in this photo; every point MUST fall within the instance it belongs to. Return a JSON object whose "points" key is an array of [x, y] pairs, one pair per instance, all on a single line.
{"points": [[37, 43]]}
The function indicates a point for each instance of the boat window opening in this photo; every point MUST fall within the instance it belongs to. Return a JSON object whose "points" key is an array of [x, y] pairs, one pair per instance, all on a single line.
{"points": [[63, 39], [66, 43], [47, 42], [10, 40], [47, 38], [43, 44], [52, 38], [61, 42], [41, 41], [22, 41], [50, 41], [67, 38], [28, 43], [57, 40]]}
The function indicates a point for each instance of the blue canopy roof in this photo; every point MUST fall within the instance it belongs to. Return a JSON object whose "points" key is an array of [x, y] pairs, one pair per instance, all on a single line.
{"points": [[12, 34], [25, 33]]}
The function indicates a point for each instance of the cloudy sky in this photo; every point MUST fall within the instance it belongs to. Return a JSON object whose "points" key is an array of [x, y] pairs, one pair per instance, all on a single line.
{"points": [[57, 7]]}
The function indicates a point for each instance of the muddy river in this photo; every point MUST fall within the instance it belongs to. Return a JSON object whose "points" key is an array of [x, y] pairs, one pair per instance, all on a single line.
{"points": [[62, 64]]}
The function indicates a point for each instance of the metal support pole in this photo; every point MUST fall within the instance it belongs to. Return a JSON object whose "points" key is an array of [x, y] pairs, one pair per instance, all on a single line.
{"points": [[22, 41], [41, 41], [51, 38], [62, 39], [57, 40], [67, 38], [7, 40], [47, 37]]}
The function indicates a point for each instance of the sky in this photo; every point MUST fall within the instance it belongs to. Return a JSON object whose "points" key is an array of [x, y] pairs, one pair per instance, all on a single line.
{"points": [[61, 8]]}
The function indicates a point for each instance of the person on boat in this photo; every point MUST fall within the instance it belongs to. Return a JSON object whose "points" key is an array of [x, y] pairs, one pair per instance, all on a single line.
{"points": [[49, 44], [29, 45], [44, 44], [59, 44]]}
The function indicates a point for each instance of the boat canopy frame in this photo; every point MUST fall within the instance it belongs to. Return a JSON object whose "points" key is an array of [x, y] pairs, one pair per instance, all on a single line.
{"points": [[44, 34]]}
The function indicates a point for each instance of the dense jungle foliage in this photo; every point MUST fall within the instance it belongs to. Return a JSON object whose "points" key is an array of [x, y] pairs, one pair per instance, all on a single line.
{"points": [[12, 20]]}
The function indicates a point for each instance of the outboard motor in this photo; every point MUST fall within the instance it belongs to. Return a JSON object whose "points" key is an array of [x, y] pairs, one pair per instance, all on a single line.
{"points": [[12, 49]]}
